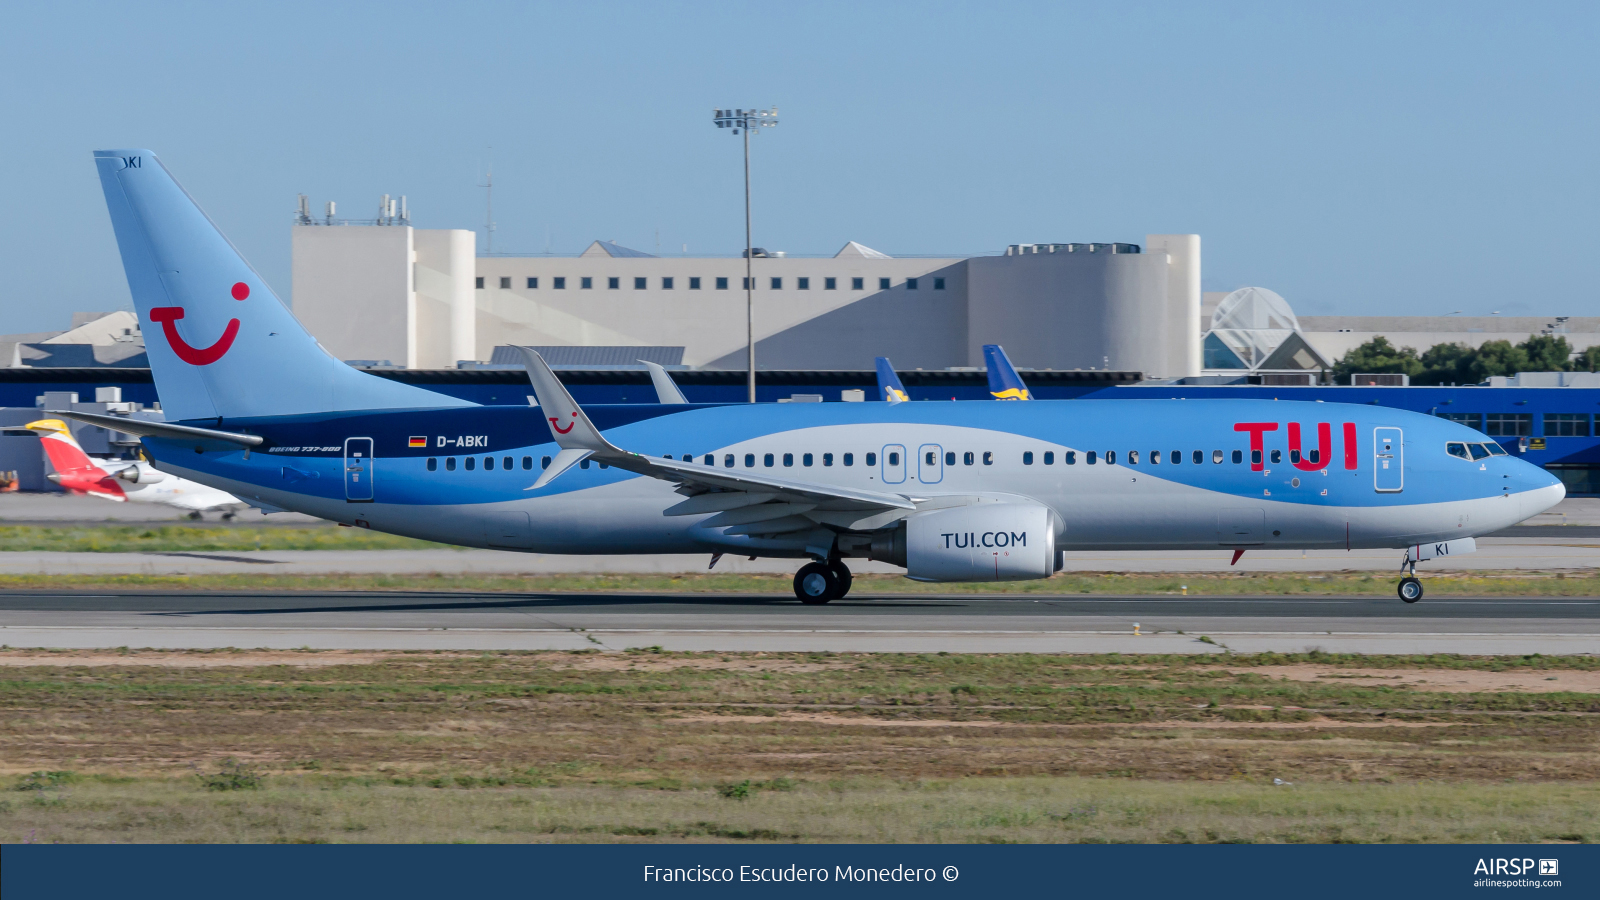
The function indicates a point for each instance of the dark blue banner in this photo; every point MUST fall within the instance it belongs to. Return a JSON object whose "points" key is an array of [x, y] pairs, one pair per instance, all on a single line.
{"points": [[312, 872]]}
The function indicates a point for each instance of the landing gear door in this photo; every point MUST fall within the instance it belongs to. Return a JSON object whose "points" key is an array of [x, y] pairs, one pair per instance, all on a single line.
{"points": [[1388, 460], [358, 470]]}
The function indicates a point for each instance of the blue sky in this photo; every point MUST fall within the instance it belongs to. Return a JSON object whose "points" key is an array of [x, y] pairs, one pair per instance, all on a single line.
{"points": [[1357, 158]]}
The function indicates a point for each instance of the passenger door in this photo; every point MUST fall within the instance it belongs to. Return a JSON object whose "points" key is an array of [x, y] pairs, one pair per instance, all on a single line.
{"points": [[358, 470], [930, 464], [893, 463], [1389, 459], [1241, 527]]}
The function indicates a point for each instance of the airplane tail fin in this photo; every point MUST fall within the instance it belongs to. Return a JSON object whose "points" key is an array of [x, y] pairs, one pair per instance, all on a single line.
{"points": [[74, 469], [227, 347], [889, 385], [1004, 382], [60, 447]]}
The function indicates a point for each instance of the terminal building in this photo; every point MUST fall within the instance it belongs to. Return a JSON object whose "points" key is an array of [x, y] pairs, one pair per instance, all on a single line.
{"points": [[419, 298]]}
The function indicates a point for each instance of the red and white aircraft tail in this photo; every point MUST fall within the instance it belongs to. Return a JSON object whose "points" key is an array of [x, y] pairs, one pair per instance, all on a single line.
{"points": [[74, 469]]}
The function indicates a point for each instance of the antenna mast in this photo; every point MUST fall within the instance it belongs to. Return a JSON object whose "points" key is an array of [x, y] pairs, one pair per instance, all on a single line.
{"points": [[488, 217]]}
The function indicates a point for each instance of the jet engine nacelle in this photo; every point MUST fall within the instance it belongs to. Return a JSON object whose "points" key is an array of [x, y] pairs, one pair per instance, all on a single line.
{"points": [[987, 542], [140, 473]]}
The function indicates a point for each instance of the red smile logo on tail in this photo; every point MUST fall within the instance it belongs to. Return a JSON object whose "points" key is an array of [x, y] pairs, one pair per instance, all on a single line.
{"points": [[168, 316], [555, 422]]}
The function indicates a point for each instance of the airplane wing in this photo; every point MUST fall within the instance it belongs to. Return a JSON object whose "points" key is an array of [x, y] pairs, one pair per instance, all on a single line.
{"points": [[666, 390], [1004, 382], [746, 502], [889, 383]]}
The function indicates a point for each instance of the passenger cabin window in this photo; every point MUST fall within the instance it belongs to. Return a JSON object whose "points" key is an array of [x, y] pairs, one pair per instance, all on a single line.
{"points": [[1027, 458], [1238, 457], [710, 460], [1216, 457], [805, 460], [788, 459], [527, 463], [1049, 457], [1277, 457], [727, 460], [470, 462], [433, 464], [749, 460], [1455, 448], [450, 464], [931, 458], [950, 458], [1111, 457], [872, 459], [1255, 457], [1133, 457], [827, 459], [849, 459], [507, 463], [1069, 458], [988, 458], [1155, 457], [1200, 456], [584, 464], [1089, 458], [968, 458], [488, 464], [767, 460], [544, 462]]}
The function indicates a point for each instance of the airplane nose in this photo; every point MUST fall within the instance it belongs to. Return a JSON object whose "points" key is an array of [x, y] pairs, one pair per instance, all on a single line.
{"points": [[1547, 490]]}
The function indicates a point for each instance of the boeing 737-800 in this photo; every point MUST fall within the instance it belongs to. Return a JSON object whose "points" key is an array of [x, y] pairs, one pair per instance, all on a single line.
{"points": [[950, 491]]}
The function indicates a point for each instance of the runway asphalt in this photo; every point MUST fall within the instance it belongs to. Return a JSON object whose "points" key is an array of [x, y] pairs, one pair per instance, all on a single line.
{"points": [[720, 622]]}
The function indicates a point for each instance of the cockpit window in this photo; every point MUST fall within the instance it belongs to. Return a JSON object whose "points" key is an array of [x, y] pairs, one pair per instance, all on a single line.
{"points": [[1478, 451], [1456, 449], [1495, 449]]}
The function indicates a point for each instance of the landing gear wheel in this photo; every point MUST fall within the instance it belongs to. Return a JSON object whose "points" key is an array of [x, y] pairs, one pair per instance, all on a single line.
{"points": [[842, 574], [815, 584], [196, 515], [1410, 589]]}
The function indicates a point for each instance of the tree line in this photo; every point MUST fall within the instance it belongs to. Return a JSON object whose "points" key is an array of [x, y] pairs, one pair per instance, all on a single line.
{"points": [[1461, 364]]}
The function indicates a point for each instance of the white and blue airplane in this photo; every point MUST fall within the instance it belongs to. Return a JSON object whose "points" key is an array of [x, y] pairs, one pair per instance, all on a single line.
{"points": [[950, 491]]}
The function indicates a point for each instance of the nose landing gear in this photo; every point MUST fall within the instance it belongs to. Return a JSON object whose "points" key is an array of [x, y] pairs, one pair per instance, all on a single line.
{"points": [[817, 583], [1410, 588]]}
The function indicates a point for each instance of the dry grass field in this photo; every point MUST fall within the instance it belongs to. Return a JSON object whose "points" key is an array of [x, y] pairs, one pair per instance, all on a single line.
{"points": [[642, 746]]}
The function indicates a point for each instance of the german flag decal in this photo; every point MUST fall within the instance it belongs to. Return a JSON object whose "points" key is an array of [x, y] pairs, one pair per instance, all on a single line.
{"points": [[418, 442]]}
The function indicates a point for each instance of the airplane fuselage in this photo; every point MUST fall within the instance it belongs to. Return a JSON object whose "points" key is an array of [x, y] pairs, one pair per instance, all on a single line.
{"points": [[1134, 474]]}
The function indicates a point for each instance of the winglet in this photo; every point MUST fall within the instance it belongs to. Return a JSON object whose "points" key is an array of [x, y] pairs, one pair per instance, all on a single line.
{"points": [[564, 460], [889, 383], [666, 390], [568, 424]]}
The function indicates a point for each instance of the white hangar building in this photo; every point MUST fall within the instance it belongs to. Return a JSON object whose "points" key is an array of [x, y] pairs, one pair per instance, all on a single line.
{"points": [[423, 299]]}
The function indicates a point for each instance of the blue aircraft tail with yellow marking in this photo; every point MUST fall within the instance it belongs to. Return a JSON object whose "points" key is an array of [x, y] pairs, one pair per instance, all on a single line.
{"points": [[1004, 382], [889, 386]]}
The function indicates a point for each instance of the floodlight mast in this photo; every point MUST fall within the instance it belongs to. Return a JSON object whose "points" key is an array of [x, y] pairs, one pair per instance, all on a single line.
{"points": [[744, 121]]}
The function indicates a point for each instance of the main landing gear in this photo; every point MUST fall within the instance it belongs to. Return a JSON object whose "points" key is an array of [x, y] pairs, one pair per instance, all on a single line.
{"points": [[816, 583], [1410, 587]]}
